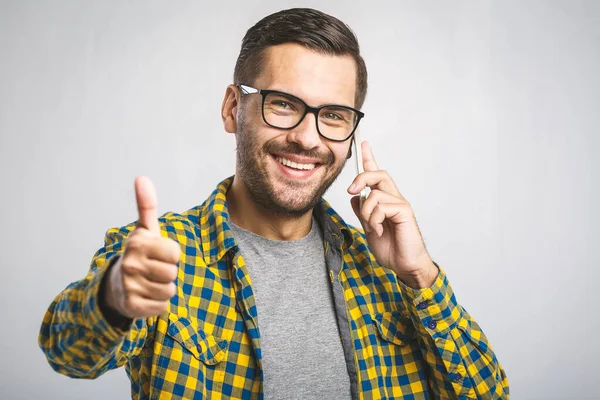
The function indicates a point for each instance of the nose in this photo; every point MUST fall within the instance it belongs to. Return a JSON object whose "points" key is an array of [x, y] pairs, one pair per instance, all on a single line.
{"points": [[306, 134]]}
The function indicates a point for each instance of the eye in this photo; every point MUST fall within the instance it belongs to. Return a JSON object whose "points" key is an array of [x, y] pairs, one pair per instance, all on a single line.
{"points": [[333, 116], [281, 104]]}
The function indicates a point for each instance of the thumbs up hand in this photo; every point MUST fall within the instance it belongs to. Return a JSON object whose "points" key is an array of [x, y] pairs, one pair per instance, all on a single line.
{"points": [[140, 284]]}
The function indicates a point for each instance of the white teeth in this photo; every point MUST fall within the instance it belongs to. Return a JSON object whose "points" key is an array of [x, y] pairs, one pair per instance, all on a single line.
{"points": [[294, 165]]}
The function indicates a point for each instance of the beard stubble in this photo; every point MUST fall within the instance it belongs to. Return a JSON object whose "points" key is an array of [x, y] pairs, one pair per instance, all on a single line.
{"points": [[296, 198]]}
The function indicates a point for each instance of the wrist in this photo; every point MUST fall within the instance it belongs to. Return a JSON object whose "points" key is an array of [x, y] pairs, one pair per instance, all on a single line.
{"points": [[421, 279], [106, 299], [106, 288]]}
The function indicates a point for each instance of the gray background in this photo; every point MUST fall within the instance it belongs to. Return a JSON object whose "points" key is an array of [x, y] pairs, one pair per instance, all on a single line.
{"points": [[485, 113]]}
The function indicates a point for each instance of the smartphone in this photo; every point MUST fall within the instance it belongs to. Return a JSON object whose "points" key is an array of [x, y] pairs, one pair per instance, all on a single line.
{"points": [[359, 164]]}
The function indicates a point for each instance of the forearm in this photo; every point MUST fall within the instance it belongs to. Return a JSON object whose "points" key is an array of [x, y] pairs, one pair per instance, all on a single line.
{"points": [[112, 316], [79, 335], [75, 337], [460, 359]]}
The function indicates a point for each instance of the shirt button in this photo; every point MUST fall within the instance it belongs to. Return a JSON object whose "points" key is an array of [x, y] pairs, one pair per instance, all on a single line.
{"points": [[237, 307], [423, 305], [432, 324], [457, 377]]}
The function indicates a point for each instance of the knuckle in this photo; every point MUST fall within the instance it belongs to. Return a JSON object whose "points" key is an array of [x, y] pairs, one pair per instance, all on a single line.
{"points": [[130, 266], [127, 287], [127, 266], [141, 231], [160, 308], [406, 207], [165, 292], [132, 306], [135, 244], [373, 218], [134, 233], [364, 213], [134, 240], [169, 250], [172, 272], [176, 251]]}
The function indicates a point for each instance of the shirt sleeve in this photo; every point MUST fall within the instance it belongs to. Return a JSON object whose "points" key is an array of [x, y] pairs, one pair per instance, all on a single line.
{"points": [[461, 362], [75, 336]]}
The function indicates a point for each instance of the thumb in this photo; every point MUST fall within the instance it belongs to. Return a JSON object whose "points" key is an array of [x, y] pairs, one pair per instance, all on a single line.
{"points": [[355, 202], [145, 196]]}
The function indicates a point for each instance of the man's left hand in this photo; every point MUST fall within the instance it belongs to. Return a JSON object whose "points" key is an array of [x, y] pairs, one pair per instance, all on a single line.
{"points": [[390, 225]]}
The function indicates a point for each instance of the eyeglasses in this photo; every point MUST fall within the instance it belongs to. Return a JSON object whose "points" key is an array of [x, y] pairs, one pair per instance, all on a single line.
{"points": [[285, 111]]}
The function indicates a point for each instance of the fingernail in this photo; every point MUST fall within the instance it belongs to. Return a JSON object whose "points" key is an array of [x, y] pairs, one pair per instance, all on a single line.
{"points": [[352, 187]]}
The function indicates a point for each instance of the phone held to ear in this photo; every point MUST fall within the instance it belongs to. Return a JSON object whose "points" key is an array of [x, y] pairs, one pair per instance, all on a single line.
{"points": [[359, 164]]}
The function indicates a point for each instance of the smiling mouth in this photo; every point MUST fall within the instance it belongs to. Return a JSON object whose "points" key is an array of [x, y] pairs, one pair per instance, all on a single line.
{"points": [[295, 165]]}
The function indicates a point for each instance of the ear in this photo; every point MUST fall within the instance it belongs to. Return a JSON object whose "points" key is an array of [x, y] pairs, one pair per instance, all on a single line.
{"points": [[229, 109]]}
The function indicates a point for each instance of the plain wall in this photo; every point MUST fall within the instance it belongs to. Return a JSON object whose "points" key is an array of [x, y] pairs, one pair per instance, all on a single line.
{"points": [[485, 113]]}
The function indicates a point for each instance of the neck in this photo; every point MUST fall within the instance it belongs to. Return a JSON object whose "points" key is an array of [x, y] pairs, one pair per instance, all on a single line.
{"points": [[246, 214]]}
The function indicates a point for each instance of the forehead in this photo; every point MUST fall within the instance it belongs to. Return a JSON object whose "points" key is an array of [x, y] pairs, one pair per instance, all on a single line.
{"points": [[315, 77]]}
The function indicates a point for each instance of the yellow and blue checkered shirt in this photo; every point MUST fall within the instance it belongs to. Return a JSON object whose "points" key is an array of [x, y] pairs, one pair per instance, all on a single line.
{"points": [[406, 343]]}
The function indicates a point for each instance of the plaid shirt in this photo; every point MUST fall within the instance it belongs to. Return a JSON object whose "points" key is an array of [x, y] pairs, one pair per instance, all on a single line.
{"points": [[406, 343]]}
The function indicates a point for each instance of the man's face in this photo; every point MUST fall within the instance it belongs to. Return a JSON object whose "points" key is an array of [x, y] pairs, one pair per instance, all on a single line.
{"points": [[317, 79]]}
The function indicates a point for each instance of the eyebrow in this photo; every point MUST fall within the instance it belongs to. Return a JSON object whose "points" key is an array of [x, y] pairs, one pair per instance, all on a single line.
{"points": [[299, 97]]}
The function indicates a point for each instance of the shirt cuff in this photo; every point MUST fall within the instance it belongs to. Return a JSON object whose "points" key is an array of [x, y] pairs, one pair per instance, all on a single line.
{"points": [[94, 317], [434, 310]]}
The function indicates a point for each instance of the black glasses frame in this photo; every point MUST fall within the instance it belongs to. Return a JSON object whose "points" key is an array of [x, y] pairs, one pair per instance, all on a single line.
{"points": [[307, 109]]}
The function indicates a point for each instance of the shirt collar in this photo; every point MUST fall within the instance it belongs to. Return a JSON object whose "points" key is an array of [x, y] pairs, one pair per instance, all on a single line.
{"points": [[217, 238]]}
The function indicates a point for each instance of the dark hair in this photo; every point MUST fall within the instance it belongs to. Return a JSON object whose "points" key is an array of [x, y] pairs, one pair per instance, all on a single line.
{"points": [[311, 28]]}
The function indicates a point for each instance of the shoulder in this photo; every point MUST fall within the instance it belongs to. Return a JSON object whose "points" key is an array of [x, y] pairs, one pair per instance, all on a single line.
{"points": [[175, 225]]}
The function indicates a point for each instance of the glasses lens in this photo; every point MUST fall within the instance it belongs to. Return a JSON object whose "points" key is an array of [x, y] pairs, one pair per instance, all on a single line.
{"points": [[282, 111], [285, 111], [337, 122]]}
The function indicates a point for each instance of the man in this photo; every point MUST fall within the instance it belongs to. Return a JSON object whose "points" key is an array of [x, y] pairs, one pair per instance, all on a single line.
{"points": [[263, 290]]}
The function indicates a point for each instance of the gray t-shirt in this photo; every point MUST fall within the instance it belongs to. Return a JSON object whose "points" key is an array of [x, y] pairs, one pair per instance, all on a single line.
{"points": [[302, 351]]}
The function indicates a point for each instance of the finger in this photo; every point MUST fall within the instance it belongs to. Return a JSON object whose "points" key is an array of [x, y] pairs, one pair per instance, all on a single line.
{"points": [[145, 195], [396, 213], [141, 245], [163, 249], [151, 290], [369, 163], [376, 197], [355, 203], [376, 180], [160, 272], [143, 308], [378, 216], [157, 271]]}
